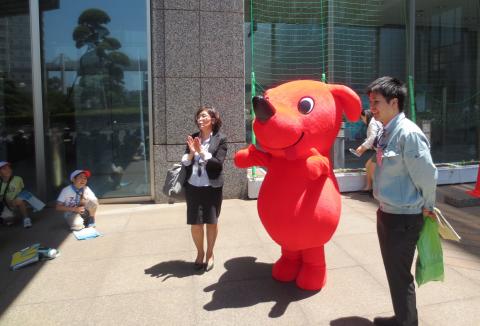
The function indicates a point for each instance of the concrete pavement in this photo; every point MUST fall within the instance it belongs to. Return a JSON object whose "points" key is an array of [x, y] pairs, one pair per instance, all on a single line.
{"points": [[140, 272]]}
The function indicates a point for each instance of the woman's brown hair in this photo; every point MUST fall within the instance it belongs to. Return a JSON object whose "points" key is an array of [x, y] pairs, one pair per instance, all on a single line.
{"points": [[213, 113]]}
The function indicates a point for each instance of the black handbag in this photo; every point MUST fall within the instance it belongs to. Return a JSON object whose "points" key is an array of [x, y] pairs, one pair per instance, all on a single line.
{"points": [[174, 181]]}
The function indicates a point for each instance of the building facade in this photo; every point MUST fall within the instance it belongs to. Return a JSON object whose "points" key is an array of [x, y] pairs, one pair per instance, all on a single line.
{"points": [[112, 85], [431, 45]]}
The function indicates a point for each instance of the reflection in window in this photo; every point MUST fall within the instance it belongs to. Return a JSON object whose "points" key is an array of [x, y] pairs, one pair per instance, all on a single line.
{"points": [[351, 42], [447, 77], [95, 64], [17, 143], [356, 42]]}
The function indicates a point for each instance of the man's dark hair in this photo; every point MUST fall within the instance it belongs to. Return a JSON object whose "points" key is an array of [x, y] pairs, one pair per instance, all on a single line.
{"points": [[389, 88]]}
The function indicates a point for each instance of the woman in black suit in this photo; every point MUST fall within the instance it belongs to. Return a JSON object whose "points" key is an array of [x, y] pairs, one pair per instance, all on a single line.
{"points": [[203, 159]]}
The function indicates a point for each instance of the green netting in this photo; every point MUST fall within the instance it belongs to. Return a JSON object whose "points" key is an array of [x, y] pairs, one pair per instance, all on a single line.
{"points": [[335, 41], [312, 39], [331, 40], [288, 40], [353, 42], [353, 38]]}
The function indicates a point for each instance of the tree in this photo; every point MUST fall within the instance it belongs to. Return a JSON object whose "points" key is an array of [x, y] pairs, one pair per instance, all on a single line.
{"points": [[101, 66]]}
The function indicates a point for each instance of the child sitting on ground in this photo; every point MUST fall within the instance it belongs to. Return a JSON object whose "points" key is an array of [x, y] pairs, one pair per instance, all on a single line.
{"points": [[10, 187], [78, 202]]}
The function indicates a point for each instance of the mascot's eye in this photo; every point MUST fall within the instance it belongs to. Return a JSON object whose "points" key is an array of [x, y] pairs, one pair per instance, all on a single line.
{"points": [[305, 105]]}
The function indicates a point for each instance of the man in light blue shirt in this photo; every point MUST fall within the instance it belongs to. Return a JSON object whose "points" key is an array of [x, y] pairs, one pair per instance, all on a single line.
{"points": [[404, 184]]}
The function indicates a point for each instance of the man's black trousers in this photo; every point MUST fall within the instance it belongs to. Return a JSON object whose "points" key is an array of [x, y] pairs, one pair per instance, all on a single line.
{"points": [[398, 235]]}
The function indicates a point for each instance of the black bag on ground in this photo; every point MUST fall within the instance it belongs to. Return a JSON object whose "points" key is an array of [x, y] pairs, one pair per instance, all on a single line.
{"points": [[173, 186]]}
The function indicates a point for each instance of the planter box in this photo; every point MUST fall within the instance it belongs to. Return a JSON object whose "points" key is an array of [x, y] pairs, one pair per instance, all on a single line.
{"points": [[254, 184], [355, 181], [347, 182], [351, 181], [457, 174], [253, 187]]}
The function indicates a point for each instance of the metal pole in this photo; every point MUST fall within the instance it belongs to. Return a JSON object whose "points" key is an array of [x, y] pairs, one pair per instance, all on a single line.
{"points": [[150, 102], [444, 116], [322, 27], [252, 81], [37, 100], [411, 56], [411, 38], [411, 92], [330, 41], [142, 125]]}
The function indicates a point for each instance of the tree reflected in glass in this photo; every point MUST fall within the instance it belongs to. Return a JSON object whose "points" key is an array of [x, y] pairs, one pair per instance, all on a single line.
{"points": [[101, 66]]}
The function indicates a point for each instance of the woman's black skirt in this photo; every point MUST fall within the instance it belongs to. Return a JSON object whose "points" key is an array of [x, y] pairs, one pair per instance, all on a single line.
{"points": [[203, 204]]}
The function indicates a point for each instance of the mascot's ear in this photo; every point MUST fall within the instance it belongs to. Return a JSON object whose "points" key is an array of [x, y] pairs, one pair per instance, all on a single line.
{"points": [[348, 100]]}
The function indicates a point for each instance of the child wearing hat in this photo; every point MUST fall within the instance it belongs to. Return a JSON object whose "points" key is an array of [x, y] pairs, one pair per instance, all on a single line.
{"points": [[78, 202], [10, 187]]}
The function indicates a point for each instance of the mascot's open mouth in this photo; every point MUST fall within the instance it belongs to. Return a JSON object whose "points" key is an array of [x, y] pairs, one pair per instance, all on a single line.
{"points": [[283, 148]]}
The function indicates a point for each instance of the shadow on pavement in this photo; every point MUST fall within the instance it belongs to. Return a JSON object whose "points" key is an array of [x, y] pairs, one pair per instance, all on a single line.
{"points": [[48, 229], [351, 321], [362, 196], [174, 268], [247, 283], [463, 219]]}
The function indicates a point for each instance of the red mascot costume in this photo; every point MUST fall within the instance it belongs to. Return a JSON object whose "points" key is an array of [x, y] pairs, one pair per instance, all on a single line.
{"points": [[299, 205]]}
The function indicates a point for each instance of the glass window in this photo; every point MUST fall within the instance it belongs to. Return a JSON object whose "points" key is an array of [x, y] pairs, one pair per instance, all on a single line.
{"points": [[352, 43], [287, 41], [95, 95], [447, 77], [16, 111], [369, 39]]}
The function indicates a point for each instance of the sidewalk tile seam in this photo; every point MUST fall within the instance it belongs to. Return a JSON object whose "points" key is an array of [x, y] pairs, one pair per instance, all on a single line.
{"points": [[357, 263], [475, 281], [116, 258], [347, 253], [219, 281], [381, 284], [344, 235], [467, 298], [89, 297]]}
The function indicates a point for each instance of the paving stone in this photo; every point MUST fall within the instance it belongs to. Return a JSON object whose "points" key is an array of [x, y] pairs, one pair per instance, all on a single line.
{"points": [[140, 272], [457, 196]]}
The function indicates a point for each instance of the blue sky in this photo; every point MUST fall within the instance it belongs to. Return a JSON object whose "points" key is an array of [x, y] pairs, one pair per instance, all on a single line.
{"points": [[128, 24]]}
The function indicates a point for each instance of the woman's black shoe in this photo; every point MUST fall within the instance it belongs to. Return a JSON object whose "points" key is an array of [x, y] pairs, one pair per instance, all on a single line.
{"points": [[198, 266]]}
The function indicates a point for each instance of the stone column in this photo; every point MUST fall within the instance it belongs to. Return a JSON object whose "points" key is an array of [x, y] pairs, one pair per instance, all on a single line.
{"points": [[197, 59]]}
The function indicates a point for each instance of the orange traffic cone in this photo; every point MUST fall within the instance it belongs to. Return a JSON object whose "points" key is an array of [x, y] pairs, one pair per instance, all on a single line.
{"points": [[476, 192]]}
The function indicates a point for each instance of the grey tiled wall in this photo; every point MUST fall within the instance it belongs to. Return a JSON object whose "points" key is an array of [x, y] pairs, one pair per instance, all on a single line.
{"points": [[197, 59]]}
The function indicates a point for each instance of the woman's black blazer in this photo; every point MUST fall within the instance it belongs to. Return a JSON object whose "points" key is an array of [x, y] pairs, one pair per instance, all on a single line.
{"points": [[214, 167]]}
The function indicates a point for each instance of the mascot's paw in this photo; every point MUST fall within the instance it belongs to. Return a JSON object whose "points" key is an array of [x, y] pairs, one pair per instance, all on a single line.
{"points": [[286, 270], [317, 165], [245, 157], [241, 158], [312, 277]]}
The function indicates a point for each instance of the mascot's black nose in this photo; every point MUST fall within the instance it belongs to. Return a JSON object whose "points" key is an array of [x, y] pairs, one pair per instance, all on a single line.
{"points": [[263, 109]]}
